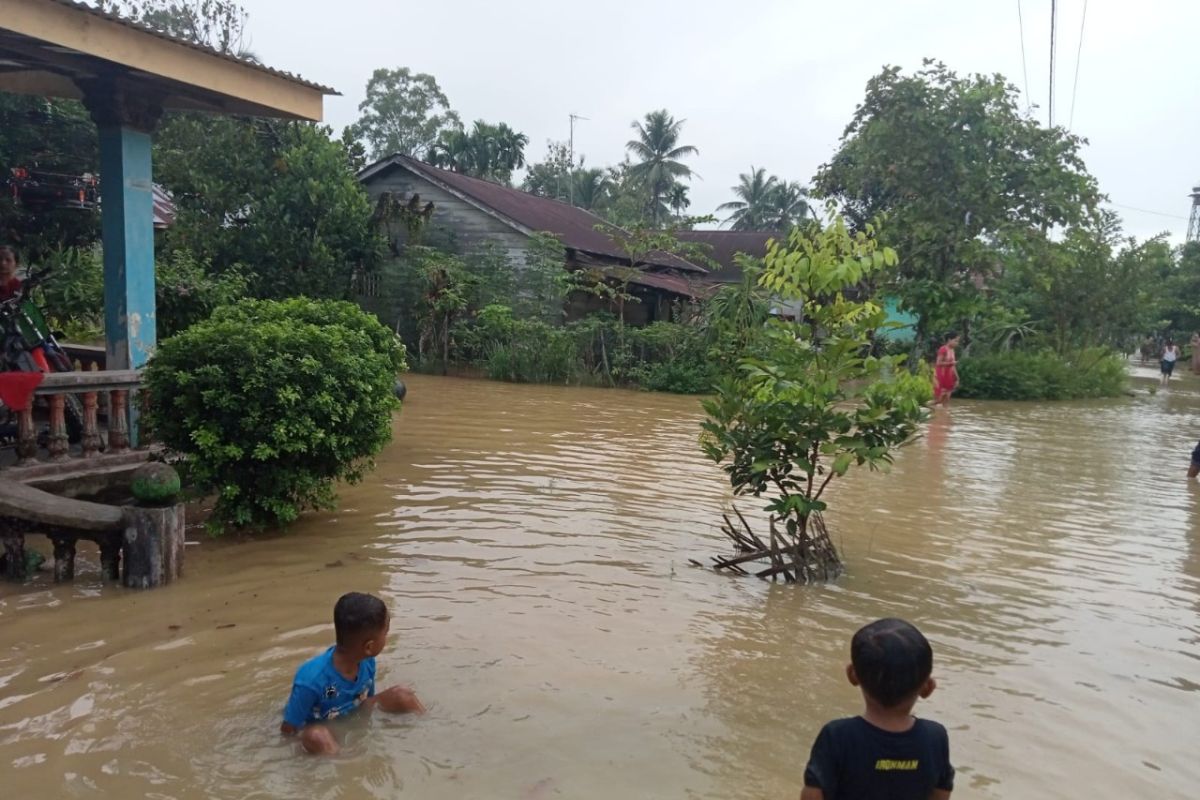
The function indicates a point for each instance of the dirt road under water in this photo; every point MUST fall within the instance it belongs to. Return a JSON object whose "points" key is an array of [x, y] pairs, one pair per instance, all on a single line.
{"points": [[533, 545]]}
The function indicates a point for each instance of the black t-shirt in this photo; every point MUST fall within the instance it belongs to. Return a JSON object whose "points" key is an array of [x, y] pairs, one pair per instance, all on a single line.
{"points": [[853, 760]]}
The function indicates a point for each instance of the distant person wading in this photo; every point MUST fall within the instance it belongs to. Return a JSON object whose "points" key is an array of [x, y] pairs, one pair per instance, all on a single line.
{"points": [[945, 371], [1170, 355]]}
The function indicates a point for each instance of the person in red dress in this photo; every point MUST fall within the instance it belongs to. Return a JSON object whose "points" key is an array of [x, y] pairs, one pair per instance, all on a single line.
{"points": [[10, 284], [945, 371]]}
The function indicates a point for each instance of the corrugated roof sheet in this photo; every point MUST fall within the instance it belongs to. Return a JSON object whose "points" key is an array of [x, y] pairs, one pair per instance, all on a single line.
{"points": [[727, 244], [678, 284], [96, 12], [575, 227]]}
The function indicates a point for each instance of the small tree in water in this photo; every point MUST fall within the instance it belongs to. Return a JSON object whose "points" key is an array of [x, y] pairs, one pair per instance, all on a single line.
{"points": [[808, 401]]}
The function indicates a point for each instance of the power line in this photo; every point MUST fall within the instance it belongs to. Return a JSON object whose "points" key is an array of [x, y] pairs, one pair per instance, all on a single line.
{"points": [[1078, 55], [1053, 22], [1147, 211], [1024, 69]]}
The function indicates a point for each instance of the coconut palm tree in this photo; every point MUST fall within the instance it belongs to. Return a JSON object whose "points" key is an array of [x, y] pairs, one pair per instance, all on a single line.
{"points": [[789, 205], [657, 157], [678, 200], [592, 188], [756, 203]]}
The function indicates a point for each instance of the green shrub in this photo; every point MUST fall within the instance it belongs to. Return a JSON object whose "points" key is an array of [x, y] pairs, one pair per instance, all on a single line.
{"points": [[671, 357], [1022, 375], [272, 402], [525, 351], [186, 291]]}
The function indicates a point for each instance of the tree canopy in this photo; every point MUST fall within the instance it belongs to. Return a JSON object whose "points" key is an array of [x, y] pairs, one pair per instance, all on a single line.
{"points": [[957, 168], [491, 152], [404, 112]]}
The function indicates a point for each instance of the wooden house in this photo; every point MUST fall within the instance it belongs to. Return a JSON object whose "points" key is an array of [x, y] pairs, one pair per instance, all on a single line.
{"points": [[472, 213]]}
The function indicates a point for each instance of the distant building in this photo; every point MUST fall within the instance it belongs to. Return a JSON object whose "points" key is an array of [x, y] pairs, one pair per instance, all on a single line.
{"points": [[473, 213]]}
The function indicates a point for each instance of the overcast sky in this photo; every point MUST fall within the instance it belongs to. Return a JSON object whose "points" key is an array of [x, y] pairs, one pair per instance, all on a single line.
{"points": [[766, 82]]}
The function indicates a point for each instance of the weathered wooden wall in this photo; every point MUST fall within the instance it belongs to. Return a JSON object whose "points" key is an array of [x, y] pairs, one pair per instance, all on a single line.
{"points": [[453, 218], [456, 224]]}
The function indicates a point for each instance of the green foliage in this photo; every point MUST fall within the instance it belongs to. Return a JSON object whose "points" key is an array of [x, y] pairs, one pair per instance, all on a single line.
{"points": [[958, 169], [487, 151], [736, 316], [542, 283], [659, 163], [1178, 310], [275, 201], [219, 24], [55, 136], [72, 297], [766, 203], [272, 402], [185, 290], [1083, 289], [525, 351], [404, 112], [311, 227], [672, 357], [1045, 375], [560, 178], [809, 401]]}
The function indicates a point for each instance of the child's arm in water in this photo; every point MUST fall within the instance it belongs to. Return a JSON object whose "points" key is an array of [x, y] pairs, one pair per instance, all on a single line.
{"points": [[295, 713], [396, 700]]}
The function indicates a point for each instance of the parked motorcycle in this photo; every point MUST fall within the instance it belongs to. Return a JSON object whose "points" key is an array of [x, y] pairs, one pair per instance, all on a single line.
{"points": [[28, 345]]}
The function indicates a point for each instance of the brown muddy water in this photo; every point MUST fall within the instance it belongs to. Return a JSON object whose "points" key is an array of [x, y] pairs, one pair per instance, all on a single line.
{"points": [[533, 544]]}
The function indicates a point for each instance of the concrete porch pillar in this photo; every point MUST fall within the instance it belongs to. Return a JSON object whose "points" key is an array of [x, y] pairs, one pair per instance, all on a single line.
{"points": [[126, 117]]}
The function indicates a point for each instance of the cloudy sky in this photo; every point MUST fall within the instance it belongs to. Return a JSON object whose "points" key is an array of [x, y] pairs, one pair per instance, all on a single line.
{"points": [[767, 82]]}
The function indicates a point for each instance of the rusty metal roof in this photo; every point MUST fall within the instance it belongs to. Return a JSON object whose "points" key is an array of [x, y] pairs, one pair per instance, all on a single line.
{"points": [[138, 26], [574, 227], [726, 245], [685, 285]]}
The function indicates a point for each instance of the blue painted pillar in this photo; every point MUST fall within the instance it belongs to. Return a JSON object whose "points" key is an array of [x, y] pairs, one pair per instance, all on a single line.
{"points": [[127, 225]]}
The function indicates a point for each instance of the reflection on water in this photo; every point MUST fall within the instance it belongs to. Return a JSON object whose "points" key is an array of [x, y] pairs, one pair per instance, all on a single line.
{"points": [[533, 544]]}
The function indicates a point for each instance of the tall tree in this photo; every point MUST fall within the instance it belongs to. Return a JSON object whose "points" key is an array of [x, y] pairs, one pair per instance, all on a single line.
{"points": [[958, 168], [658, 164], [678, 200], [491, 152], [247, 189], [756, 201], [551, 176], [789, 206], [404, 112], [219, 24], [592, 189]]}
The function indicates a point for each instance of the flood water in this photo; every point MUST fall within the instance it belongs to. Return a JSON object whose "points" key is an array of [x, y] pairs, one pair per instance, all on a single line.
{"points": [[533, 545]]}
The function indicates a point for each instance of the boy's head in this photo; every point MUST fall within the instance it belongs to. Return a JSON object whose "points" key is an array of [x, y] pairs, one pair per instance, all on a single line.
{"points": [[361, 622], [891, 661], [8, 263]]}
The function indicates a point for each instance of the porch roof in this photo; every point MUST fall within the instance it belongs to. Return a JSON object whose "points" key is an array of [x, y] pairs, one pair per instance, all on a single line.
{"points": [[53, 48]]}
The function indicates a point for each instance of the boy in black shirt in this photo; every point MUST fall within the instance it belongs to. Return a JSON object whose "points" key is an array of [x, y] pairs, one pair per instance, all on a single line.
{"points": [[886, 753]]}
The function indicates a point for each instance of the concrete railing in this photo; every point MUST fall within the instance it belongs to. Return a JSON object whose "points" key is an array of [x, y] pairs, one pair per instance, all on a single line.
{"points": [[83, 396]]}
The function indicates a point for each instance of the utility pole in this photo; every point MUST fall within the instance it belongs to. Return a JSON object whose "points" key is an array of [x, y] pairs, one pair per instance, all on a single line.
{"points": [[571, 152], [1053, 25]]}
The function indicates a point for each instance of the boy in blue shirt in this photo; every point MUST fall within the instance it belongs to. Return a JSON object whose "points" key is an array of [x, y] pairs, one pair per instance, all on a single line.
{"points": [[342, 679], [885, 752]]}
